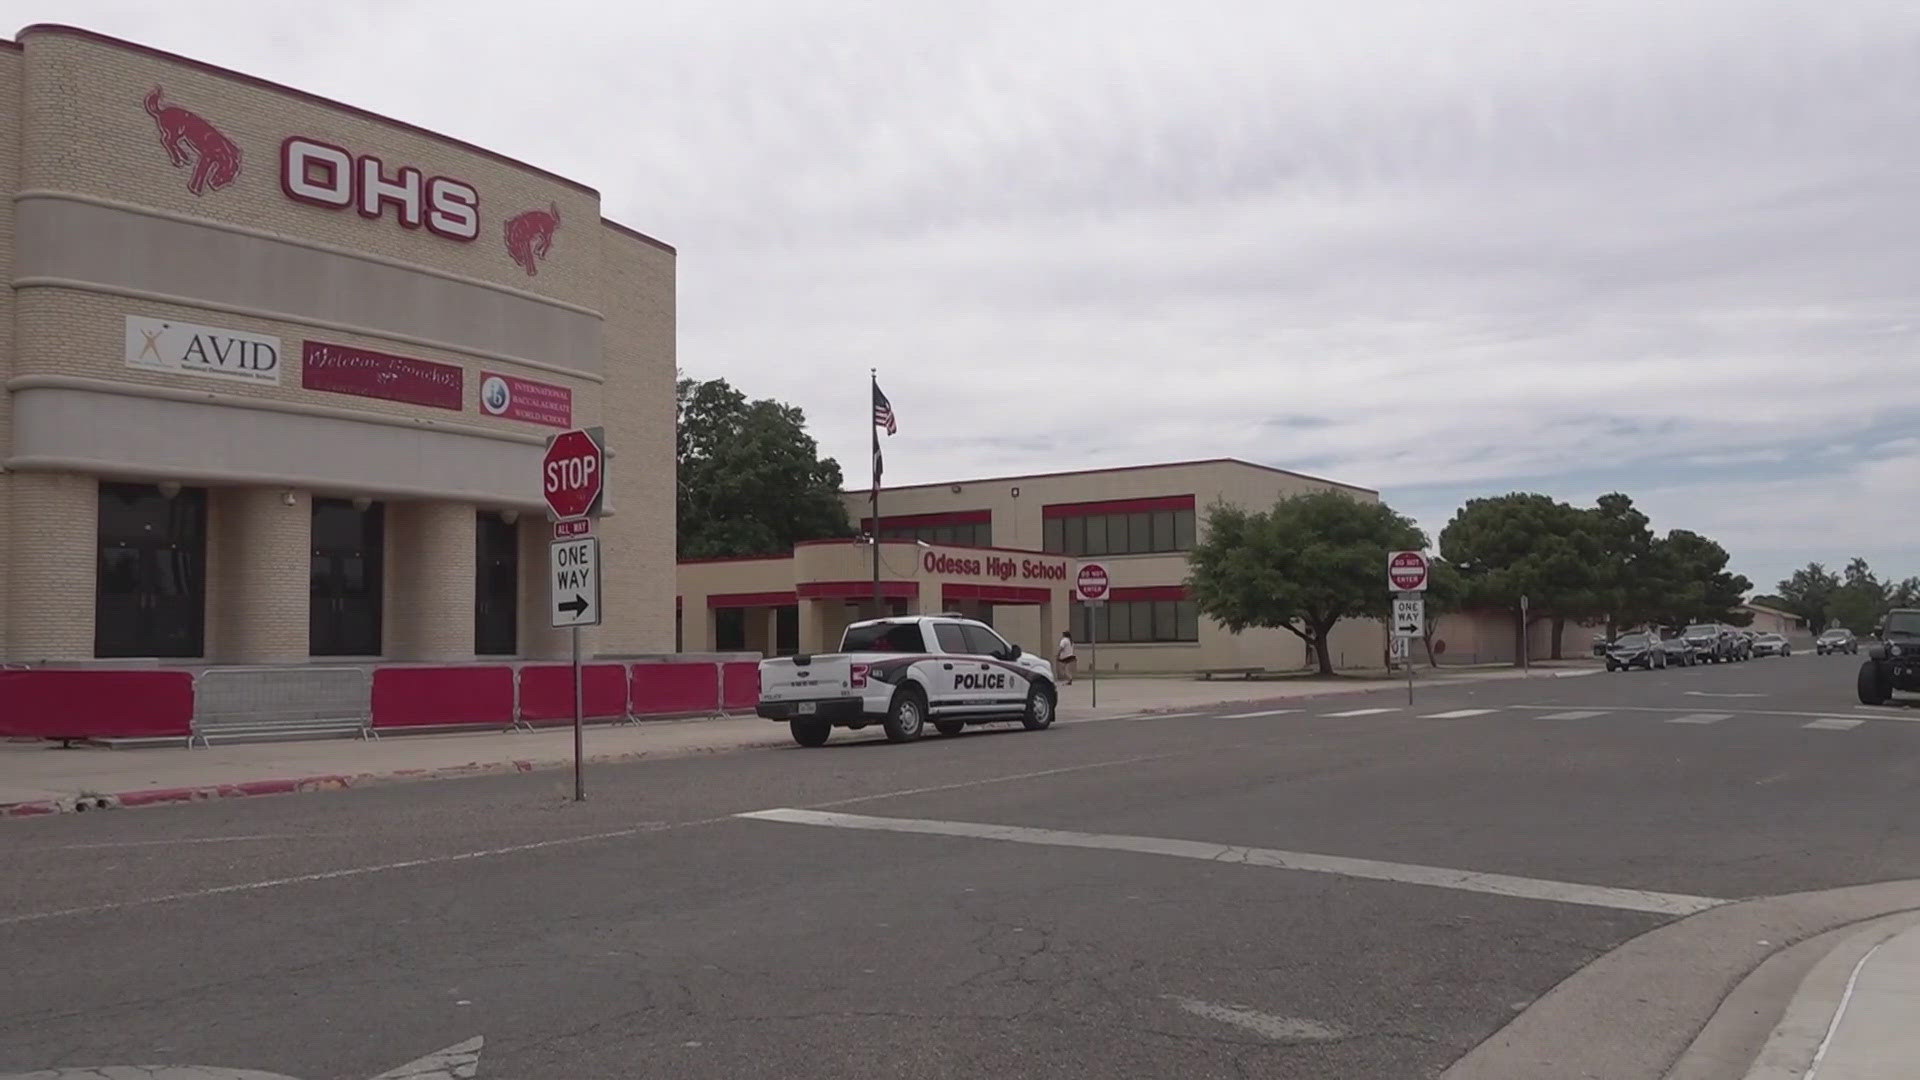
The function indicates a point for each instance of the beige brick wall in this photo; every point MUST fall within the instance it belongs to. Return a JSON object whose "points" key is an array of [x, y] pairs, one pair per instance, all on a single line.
{"points": [[11, 63], [637, 540], [258, 585], [88, 131], [538, 639], [430, 581], [54, 520]]}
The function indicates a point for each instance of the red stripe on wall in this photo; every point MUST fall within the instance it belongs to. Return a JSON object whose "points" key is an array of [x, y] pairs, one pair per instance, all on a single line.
{"points": [[1151, 592], [914, 521], [751, 599], [857, 590], [995, 594], [1117, 506]]}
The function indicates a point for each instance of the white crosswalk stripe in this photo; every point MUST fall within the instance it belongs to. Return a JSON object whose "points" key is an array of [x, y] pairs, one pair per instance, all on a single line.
{"points": [[1457, 714], [1262, 712], [1833, 723], [1575, 714], [1701, 718], [1360, 712]]}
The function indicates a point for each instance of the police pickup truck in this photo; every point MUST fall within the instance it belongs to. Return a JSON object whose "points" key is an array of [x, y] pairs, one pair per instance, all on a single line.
{"points": [[903, 673]]}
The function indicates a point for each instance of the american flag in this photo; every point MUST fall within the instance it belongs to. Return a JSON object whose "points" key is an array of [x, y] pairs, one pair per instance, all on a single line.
{"points": [[883, 412]]}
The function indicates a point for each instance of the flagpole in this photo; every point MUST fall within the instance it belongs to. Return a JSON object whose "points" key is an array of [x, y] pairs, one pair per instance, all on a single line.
{"points": [[873, 429]]}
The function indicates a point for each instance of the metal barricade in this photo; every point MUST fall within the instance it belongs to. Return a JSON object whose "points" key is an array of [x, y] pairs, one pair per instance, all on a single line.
{"points": [[282, 702]]}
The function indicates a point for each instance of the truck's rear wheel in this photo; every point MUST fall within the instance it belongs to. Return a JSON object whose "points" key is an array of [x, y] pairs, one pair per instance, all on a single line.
{"points": [[810, 732], [1873, 688], [906, 716], [950, 727], [1040, 703]]}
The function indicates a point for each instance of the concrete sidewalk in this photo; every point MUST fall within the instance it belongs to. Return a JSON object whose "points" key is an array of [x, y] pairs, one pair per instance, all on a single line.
{"points": [[1853, 1017], [41, 778]]}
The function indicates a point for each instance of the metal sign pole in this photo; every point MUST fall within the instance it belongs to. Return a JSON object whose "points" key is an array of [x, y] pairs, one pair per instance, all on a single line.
{"points": [[579, 710], [1093, 650]]}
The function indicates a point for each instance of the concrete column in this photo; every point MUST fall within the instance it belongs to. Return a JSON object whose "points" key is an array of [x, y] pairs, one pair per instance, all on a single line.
{"points": [[430, 574], [53, 523], [538, 639], [259, 589]]}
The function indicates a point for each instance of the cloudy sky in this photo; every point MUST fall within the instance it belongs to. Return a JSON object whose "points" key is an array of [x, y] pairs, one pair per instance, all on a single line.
{"points": [[1669, 247]]}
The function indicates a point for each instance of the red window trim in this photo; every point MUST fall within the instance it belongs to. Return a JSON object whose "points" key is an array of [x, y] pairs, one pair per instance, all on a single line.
{"points": [[994, 594], [1117, 506], [914, 521], [858, 590], [751, 599], [1151, 592]]}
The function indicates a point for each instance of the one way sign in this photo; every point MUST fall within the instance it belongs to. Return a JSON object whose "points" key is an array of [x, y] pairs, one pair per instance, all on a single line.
{"points": [[1409, 616], [575, 597]]}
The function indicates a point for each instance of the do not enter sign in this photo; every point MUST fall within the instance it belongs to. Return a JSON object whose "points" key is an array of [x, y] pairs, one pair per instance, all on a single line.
{"points": [[1407, 571], [573, 473], [1091, 586]]}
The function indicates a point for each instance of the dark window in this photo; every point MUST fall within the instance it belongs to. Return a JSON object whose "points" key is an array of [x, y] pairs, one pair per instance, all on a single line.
{"points": [[496, 586], [950, 638], [349, 551], [1123, 622], [730, 629], [983, 641], [1137, 533], [884, 638], [150, 572], [786, 630]]}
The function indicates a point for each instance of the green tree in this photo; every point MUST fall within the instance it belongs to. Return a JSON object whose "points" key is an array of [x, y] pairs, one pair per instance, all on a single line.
{"points": [[1527, 545], [1302, 566], [1906, 594], [1623, 590], [751, 480], [1862, 600], [1690, 573], [1809, 594], [1446, 591]]}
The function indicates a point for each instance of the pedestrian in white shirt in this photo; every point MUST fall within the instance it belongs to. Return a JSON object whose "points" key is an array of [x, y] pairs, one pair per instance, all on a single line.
{"points": [[1065, 655]]}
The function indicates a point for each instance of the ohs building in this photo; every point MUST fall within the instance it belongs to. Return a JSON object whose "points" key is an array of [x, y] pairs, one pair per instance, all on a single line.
{"points": [[279, 374]]}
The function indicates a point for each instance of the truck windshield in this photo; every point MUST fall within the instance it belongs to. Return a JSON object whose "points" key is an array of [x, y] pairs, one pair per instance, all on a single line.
{"points": [[883, 638], [1904, 623]]}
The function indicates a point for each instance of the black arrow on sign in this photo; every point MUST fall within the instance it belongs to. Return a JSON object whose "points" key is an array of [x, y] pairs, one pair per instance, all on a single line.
{"points": [[576, 606]]}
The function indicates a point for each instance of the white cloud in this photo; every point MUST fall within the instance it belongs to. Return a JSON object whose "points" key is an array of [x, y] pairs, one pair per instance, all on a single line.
{"points": [[1669, 248]]}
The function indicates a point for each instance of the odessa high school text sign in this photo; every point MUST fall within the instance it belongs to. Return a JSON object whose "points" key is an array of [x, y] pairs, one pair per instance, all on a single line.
{"points": [[998, 567]]}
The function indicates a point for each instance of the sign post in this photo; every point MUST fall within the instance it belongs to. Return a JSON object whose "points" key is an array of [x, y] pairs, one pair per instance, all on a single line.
{"points": [[1091, 586], [573, 481], [1526, 639], [1407, 580]]}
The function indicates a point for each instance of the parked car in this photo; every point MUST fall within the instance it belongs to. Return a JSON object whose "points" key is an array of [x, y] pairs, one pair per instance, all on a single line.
{"points": [[1771, 645], [1679, 653], [1837, 640], [1637, 650], [1894, 663], [1711, 642]]}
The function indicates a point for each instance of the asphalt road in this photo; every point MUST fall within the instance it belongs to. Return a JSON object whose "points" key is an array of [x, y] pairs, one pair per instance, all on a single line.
{"points": [[1299, 894]]}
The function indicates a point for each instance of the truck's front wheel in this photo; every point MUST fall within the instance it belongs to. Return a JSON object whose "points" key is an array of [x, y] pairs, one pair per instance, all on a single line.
{"points": [[810, 732], [1875, 687], [906, 716]]}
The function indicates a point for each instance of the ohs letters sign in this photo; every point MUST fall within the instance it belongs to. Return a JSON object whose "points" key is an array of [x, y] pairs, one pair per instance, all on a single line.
{"points": [[322, 174]]}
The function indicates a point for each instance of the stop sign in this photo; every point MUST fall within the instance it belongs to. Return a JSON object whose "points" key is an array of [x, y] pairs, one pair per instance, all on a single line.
{"points": [[1091, 584], [1407, 571], [573, 473]]}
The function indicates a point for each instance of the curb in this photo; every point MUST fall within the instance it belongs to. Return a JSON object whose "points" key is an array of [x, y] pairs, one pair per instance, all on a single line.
{"points": [[130, 800]]}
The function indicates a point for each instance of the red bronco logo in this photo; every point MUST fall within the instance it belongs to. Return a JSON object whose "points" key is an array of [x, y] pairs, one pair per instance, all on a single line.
{"points": [[188, 137], [530, 236]]}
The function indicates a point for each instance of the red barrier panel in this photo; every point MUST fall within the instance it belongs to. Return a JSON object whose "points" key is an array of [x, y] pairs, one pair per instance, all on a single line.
{"points": [[442, 696], [96, 704], [546, 691], [743, 685], [675, 689]]}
